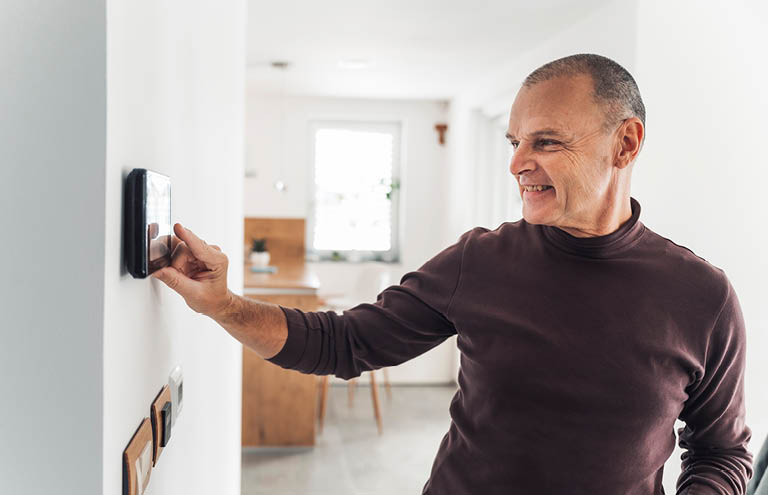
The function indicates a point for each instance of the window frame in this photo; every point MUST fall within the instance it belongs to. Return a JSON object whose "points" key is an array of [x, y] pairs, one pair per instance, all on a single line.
{"points": [[393, 126]]}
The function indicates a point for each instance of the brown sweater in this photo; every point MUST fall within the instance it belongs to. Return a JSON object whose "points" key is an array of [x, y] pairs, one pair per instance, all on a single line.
{"points": [[577, 356]]}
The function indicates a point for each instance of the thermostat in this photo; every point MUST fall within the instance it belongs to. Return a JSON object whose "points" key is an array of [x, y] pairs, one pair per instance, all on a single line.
{"points": [[147, 231]]}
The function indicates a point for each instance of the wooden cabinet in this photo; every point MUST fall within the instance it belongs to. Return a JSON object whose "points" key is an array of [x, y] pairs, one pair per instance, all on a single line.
{"points": [[279, 405]]}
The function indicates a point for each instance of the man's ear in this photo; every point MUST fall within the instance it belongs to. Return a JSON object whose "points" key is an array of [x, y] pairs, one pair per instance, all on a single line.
{"points": [[630, 138]]}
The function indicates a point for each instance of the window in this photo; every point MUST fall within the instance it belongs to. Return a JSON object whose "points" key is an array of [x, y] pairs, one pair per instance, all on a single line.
{"points": [[354, 181]]}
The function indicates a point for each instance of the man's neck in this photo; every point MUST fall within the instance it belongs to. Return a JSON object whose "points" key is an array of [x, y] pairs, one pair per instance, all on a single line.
{"points": [[607, 221]]}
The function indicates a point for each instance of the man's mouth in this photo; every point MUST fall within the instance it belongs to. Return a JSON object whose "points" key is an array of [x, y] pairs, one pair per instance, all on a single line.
{"points": [[541, 187]]}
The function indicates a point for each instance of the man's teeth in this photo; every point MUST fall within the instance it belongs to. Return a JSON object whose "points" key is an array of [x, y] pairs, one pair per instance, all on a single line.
{"points": [[536, 188]]}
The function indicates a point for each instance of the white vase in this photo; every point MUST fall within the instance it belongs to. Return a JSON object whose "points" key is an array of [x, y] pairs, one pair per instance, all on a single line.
{"points": [[354, 256], [259, 258]]}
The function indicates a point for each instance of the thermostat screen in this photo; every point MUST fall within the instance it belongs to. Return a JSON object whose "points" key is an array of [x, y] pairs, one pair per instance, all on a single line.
{"points": [[158, 225]]}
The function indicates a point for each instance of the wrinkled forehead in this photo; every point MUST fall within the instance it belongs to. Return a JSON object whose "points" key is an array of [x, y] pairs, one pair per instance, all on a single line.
{"points": [[532, 125], [565, 104]]}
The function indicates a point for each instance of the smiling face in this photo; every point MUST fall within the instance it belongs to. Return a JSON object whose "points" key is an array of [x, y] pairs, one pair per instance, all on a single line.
{"points": [[560, 139]]}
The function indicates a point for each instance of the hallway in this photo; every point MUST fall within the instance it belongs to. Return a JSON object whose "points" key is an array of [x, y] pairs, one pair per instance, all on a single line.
{"points": [[350, 458]]}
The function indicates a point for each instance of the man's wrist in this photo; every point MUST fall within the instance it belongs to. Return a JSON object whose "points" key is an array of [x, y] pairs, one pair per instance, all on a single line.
{"points": [[228, 308]]}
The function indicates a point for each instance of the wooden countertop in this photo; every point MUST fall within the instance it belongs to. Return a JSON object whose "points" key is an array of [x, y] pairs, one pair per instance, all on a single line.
{"points": [[290, 277]]}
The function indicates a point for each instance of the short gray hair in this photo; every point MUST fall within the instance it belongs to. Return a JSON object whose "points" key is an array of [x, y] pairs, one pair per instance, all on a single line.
{"points": [[613, 86]]}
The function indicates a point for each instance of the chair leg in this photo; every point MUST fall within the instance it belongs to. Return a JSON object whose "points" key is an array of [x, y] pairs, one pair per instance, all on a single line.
{"points": [[386, 383], [351, 389], [375, 396], [323, 401]]}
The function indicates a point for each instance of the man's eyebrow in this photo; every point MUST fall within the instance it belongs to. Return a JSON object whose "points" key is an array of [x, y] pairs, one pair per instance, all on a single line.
{"points": [[541, 132]]}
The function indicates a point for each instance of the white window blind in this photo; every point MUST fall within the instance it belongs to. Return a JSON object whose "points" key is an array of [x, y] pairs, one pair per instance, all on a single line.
{"points": [[354, 201]]}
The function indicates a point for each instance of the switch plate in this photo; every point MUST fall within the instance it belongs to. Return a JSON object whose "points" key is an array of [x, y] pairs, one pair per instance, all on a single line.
{"points": [[137, 460], [158, 424], [176, 384]]}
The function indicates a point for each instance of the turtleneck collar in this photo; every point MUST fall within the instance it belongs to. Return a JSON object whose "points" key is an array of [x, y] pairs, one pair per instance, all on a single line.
{"points": [[604, 246]]}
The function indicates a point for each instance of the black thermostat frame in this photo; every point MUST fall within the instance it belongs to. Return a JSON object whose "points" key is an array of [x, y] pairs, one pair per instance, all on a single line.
{"points": [[135, 236]]}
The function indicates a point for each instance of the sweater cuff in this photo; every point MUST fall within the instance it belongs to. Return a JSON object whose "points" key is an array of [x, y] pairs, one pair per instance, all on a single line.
{"points": [[296, 343]]}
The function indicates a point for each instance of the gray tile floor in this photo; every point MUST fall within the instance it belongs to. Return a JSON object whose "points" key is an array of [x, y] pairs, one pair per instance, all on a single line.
{"points": [[350, 457]]}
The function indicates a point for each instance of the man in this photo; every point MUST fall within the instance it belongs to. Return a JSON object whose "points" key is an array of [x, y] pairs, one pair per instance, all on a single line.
{"points": [[583, 334]]}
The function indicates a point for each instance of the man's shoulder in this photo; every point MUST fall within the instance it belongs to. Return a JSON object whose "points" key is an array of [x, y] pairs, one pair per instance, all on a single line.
{"points": [[687, 265], [679, 252], [486, 234]]}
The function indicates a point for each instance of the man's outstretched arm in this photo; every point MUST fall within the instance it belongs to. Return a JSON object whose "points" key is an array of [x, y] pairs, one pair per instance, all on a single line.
{"points": [[259, 325], [405, 321]]}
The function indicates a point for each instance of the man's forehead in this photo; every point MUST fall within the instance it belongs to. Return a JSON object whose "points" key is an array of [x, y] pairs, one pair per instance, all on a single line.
{"points": [[539, 127], [562, 105]]}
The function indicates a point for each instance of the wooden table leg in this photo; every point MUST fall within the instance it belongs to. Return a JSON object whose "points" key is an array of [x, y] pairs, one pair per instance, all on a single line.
{"points": [[323, 400], [375, 395], [386, 383], [351, 389]]}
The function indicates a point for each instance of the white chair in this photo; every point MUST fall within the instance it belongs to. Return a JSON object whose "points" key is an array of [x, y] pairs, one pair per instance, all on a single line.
{"points": [[373, 279]]}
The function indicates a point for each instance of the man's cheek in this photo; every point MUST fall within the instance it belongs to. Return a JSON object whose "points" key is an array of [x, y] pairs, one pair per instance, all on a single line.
{"points": [[572, 157]]}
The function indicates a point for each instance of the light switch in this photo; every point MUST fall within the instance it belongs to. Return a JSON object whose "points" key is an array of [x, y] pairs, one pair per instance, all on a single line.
{"points": [[176, 384], [167, 416]]}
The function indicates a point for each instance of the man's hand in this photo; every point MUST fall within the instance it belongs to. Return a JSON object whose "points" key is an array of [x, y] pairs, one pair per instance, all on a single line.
{"points": [[198, 272]]}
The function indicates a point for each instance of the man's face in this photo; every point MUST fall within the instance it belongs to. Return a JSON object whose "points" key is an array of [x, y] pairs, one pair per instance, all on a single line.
{"points": [[557, 130]]}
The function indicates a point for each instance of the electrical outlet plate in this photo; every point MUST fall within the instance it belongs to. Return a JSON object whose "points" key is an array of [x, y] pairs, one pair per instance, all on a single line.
{"points": [[159, 428], [176, 384], [137, 460]]}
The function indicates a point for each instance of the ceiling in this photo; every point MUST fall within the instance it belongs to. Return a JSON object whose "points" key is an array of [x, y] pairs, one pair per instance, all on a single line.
{"points": [[416, 48]]}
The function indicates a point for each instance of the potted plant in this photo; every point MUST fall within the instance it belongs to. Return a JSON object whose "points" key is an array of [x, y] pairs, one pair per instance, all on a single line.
{"points": [[259, 254]]}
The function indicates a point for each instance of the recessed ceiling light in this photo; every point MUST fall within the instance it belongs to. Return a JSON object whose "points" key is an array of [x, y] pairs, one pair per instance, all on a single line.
{"points": [[354, 63]]}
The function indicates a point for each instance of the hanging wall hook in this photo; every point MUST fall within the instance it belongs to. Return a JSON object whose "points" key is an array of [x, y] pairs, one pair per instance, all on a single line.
{"points": [[441, 128]]}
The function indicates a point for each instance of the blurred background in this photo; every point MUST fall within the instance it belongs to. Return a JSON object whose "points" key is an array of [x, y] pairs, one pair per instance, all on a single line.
{"points": [[328, 148]]}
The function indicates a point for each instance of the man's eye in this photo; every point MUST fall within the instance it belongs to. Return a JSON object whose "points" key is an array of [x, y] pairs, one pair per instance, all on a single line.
{"points": [[546, 142], [514, 144]]}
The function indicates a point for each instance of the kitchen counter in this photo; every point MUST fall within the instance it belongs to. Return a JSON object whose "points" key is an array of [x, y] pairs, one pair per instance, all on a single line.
{"points": [[290, 278]]}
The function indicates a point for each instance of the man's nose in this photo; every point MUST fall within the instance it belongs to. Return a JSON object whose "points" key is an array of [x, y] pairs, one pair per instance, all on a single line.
{"points": [[521, 160]]}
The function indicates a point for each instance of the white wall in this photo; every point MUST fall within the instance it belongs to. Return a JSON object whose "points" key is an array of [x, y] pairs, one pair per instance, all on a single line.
{"points": [[422, 173], [176, 79], [52, 146], [702, 73]]}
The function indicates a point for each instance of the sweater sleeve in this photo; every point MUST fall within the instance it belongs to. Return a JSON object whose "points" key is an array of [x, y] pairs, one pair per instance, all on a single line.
{"points": [[405, 321], [716, 436]]}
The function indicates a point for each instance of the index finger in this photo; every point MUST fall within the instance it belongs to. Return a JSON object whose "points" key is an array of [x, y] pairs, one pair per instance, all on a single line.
{"points": [[175, 241], [199, 248]]}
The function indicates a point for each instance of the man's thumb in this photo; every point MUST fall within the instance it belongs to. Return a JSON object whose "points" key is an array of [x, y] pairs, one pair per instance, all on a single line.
{"points": [[171, 277]]}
